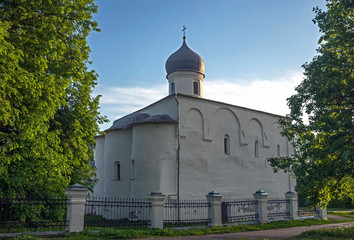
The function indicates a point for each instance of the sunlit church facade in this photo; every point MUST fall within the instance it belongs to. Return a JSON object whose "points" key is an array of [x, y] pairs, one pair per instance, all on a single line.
{"points": [[187, 145]]}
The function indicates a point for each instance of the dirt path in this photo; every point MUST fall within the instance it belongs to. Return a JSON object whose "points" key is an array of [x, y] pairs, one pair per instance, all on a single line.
{"points": [[274, 233]]}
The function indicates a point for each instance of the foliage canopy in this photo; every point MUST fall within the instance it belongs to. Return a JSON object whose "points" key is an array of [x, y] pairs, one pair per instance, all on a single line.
{"points": [[323, 159], [47, 115]]}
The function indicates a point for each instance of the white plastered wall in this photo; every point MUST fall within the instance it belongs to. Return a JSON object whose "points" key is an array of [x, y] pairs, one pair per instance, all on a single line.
{"points": [[117, 148], [99, 164], [154, 154], [205, 166]]}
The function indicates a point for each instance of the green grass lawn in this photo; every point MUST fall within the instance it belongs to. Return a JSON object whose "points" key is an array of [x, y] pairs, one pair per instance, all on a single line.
{"points": [[111, 233], [342, 213], [334, 233], [340, 209]]}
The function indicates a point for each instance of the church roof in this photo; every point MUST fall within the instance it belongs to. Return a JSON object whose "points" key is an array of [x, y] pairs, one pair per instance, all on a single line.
{"points": [[184, 59], [137, 118], [172, 97]]}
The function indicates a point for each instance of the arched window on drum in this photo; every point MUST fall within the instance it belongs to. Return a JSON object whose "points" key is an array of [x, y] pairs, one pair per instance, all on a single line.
{"points": [[173, 90], [196, 88]]}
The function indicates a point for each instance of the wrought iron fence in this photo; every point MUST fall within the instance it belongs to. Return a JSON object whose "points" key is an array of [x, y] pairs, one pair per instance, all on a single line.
{"points": [[239, 210], [117, 212], [32, 215], [276, 208], [192, 212]]}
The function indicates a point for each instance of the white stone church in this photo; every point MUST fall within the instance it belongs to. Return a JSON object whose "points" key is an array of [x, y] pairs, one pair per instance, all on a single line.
{"points": [[187, 145]]}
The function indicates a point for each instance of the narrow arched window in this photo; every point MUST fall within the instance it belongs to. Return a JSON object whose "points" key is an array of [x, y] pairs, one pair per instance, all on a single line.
{"points": [[256, 149], [227, 144], [116, 170], [132, 170], [196, 88], [173, 88], [278, 150]]}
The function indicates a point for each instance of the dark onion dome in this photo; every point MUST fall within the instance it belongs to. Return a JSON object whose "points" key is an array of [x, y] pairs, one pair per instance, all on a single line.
{"points": [[184, 59]]}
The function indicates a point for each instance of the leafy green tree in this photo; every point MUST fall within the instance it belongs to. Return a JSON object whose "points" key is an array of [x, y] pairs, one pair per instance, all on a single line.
{"points": [[320, 122], [47, 115]]}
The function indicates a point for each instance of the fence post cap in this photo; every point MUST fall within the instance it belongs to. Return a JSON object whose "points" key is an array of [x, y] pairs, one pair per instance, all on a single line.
{"points": [[77, 187], [260, 192], [213, 193], [156, 193], [292, 192]]}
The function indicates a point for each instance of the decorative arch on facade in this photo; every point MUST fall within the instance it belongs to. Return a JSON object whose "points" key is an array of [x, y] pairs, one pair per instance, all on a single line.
{"points": [[279, 143], [275, 129], [227, 109], [195, 120], [253, 132], [237, 121]]}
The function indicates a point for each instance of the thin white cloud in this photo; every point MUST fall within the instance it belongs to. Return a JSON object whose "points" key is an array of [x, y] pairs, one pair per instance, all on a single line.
{"points": [[135, 96], [267, 95], [117, 102]]}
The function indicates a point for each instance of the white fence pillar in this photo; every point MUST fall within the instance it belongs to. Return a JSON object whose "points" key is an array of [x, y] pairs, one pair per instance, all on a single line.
{"points": [[157, 209], [214, 211], [76, 207], [321, 213], [262, 198], [292, 205]]}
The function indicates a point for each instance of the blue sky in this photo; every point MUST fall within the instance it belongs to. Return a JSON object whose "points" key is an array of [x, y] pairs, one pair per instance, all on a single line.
{"points": [[253, 49]]}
